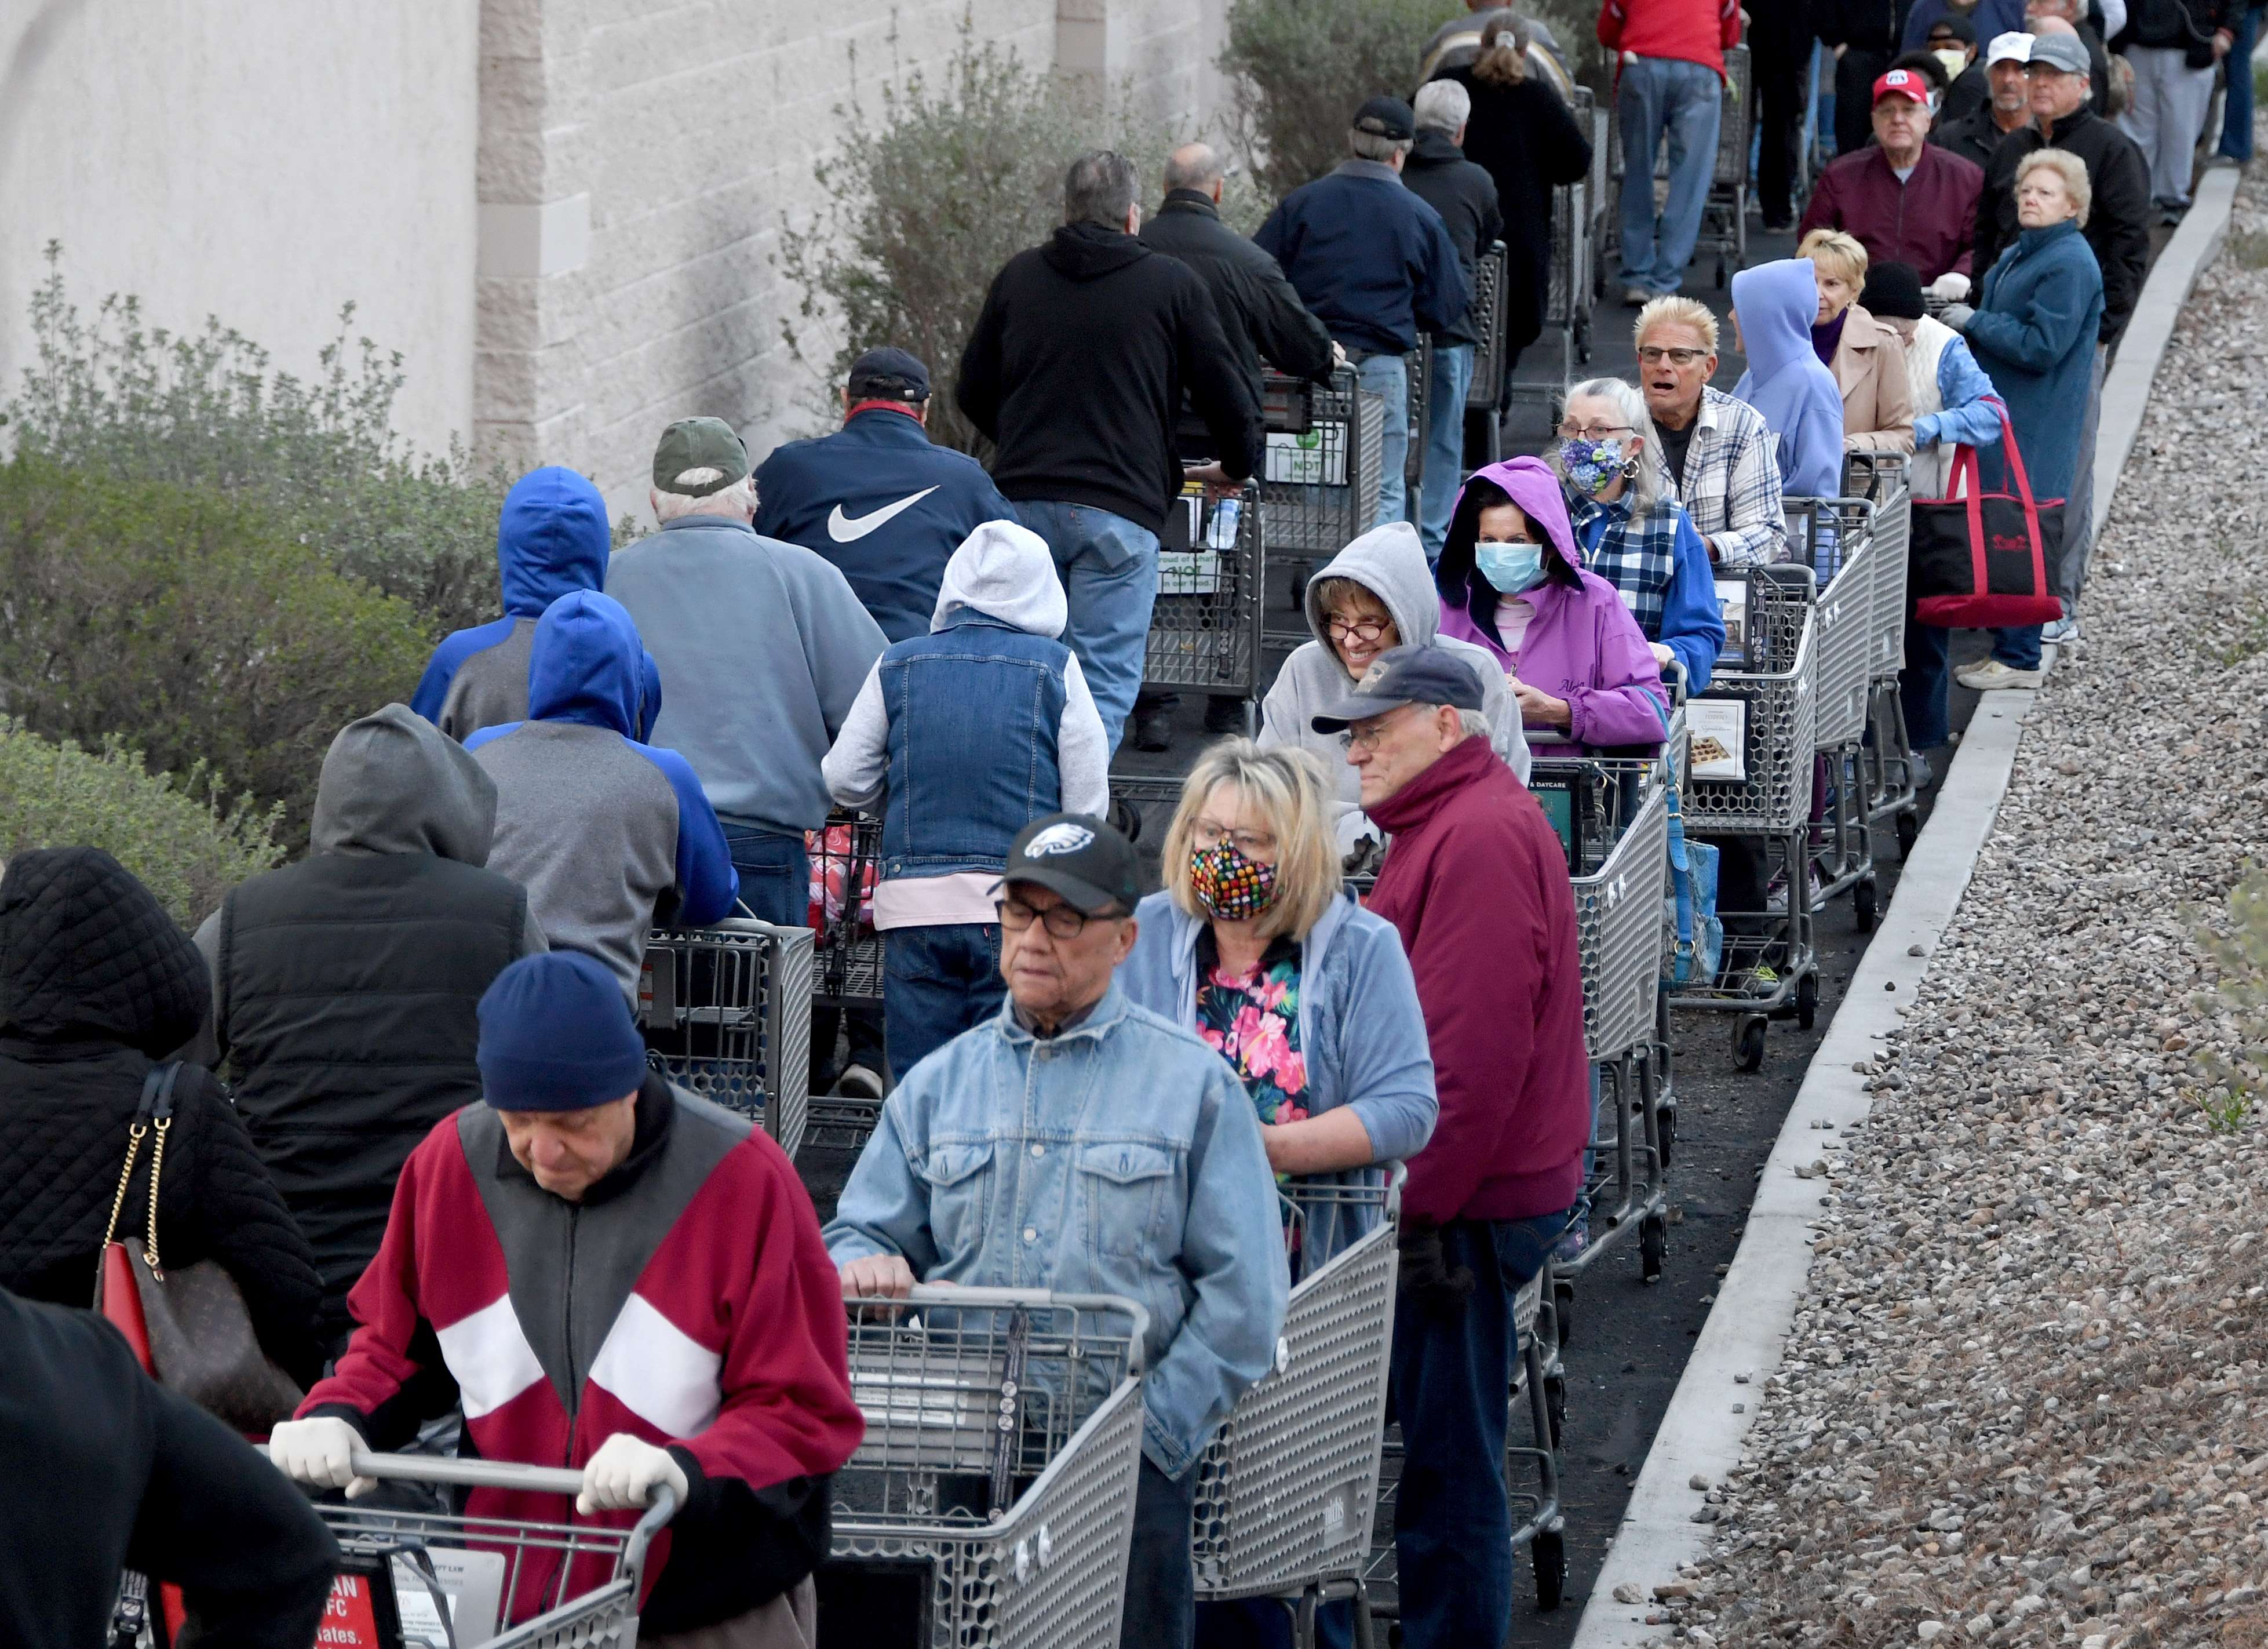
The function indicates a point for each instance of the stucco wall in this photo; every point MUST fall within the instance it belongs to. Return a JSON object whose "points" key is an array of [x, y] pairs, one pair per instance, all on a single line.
{"points": [[261, 161]]}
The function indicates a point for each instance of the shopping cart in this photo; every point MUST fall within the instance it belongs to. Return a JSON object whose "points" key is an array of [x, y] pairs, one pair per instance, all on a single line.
{"points": [[1888, 765], [993, 1494], [1320, 489], [847, 965], [460, 1582], [1288, 1488], [1204, 626], [1836, 538], [1749, 775], [726, 1015], [1567, 296]]}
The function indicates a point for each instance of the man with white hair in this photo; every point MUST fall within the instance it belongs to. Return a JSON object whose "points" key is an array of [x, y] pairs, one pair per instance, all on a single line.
{"points": [[1464, 194], [1718, 452], [763, 647]]}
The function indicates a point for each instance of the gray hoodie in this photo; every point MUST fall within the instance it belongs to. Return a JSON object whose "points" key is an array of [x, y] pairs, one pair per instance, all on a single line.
{"points": [[1390, 562]]}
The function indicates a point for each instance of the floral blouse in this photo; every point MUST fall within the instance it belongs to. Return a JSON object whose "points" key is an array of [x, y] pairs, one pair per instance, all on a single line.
{"points": [[1253, 1021]]}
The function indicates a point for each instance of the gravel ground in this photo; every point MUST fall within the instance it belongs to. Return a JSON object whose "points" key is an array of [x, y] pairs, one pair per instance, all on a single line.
{"points": [[2027, 1400]]}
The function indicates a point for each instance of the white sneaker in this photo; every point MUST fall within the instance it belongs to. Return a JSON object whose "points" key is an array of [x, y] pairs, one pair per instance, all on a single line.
{"points": [[859, 1082], [2061, 632], [1992, 675]]}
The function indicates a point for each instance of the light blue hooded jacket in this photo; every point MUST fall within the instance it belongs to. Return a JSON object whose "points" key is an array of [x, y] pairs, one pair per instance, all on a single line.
{"points": [[1785, 381]]}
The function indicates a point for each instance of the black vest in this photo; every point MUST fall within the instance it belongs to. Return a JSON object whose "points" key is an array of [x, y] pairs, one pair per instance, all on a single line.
{"points": [[349, 986]]}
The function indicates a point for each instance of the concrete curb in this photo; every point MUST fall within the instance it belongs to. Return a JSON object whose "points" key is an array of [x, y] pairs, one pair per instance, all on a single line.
{"points": [[1743, 1342]]}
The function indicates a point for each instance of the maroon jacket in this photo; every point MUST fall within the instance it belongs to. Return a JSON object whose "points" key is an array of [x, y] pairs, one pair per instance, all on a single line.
{"points": [[1477, 884], [1929, 221]]}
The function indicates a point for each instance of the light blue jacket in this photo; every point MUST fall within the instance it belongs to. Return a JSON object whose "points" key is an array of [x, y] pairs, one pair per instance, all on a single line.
{"points": [[1120, 1156], [1971, 416], [1361, 1031]]}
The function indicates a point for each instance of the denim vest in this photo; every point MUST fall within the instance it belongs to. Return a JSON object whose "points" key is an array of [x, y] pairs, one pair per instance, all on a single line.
{"points": [[974, 710]]}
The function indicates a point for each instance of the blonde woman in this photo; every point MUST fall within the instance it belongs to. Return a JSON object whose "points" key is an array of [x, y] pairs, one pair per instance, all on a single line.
{"points": [[1866, 358], [1255, 947]]}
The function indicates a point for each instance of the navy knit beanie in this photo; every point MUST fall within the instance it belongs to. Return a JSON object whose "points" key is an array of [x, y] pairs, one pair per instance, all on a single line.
{"points": [[556, 1035]]}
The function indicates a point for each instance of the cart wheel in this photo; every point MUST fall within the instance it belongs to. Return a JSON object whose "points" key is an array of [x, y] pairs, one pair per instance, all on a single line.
{"points": [[1555, 1406], [1562, 1310], [1807, 1000], [1549, 1553], [1749, 1042], [1666, 1124], [1862, 904], [1908, 828], [1653, 1246]]}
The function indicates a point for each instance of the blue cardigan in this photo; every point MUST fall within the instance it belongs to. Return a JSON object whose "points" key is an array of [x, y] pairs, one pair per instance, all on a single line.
{"points": [[2034, 333]]}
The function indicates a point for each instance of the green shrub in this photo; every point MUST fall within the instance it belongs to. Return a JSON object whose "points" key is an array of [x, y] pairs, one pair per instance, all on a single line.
{"points": [[191, 623], [2236, 1085], [320, 457], [927, 199], [179, 836]]}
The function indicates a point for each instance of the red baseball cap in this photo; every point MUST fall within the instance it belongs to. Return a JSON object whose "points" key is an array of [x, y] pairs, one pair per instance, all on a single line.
{"points": [[1903, 83]]}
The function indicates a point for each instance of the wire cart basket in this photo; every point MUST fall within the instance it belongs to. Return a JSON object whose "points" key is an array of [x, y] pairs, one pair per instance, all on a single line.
{"points": [[1288, 1488], [726, 1015], [1769, 960], [523, 1584], [995, 1489], [1204, 626], [1320, 490], [1888, 757], [846, 857]]}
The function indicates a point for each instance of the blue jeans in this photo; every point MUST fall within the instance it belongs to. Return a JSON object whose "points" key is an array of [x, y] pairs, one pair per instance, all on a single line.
{"points": [[774, 871], [1109, 570], [1925, 683], [1662, 95], [1162, 1582], [938, 982], [2018, 649], [1450, 1383], [1388, 376], [1445, 442], [2236, 109]]}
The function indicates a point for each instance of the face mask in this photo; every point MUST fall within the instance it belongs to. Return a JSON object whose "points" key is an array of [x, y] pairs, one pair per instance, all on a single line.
{"points": [[1511, 567], [1230, 886], [1590, 465], [1955, 62]]}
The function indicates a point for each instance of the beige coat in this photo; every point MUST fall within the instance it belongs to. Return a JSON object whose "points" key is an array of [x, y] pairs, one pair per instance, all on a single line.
{"points": [[1870, 370]]}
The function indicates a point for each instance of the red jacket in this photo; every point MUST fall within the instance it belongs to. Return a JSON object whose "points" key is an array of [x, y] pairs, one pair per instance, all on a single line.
{"points": [[1929, 220], [1476, 883], [1693, 31], [687, 1300]]}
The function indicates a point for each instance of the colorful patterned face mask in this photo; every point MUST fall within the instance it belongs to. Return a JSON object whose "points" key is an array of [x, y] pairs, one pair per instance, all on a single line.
{"points": [[1230, 886], [1592, 464]]}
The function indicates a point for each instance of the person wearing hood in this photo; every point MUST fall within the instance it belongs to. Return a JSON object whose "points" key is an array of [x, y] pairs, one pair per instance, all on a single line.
{"points": [[1374, 595], [1076, 370], [344, 986], [959, 739], [606, 834], [1867, 360], [1773, 307], [1511, 583], [552, 536], [97, 985]]}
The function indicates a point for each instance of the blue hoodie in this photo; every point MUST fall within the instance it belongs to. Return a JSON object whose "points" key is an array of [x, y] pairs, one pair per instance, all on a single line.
{"points": [[552, 538], [601, 831], [1797, 396]]}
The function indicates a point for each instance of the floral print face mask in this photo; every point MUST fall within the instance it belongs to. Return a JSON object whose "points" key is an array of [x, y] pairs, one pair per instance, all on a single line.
{"points": [[1592, 464], [1230, 886]]}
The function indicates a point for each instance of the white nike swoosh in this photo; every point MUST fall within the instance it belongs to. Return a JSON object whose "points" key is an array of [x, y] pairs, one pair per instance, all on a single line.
{"points": [[845, 529]]}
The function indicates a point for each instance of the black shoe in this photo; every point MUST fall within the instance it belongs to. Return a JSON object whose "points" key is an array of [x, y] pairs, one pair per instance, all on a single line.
{"points": [[1153, 731], [1125, 819], [1224, 716]]}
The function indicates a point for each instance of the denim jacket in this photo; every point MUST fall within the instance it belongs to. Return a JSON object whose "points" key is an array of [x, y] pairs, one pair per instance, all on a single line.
{"points": [[1120, 1156]]}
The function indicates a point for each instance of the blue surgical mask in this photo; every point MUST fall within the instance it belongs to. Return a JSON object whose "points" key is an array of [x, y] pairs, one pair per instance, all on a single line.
{"points": [[1510, 567]]}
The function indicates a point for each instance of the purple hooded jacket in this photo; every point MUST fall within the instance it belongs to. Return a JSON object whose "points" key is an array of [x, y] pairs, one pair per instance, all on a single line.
{"points": [[1583, 645]]}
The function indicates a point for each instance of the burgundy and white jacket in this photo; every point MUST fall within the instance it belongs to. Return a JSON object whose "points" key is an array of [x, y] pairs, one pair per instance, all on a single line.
{"points": [[687, 1300]]}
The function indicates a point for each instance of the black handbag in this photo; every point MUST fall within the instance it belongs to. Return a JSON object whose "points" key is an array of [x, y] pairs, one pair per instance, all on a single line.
{"points": [[1978, 560]]}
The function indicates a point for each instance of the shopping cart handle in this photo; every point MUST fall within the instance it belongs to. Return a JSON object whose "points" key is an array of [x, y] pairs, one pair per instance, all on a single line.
{"points": [[485, 1474], [998, 1298]]}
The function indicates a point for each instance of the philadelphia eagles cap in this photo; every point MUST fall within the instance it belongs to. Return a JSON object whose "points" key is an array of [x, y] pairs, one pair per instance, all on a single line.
{"points": [[1078, 858]]}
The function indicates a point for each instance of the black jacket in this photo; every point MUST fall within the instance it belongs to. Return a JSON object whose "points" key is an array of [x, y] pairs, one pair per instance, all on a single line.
{"points": [[1968, 93], [1973, 137], [1464, 194], [109, 1470], [2118, 224], [94, 981], [1527, 140], [1260, 316], [1076, 369], [2188, 25]]}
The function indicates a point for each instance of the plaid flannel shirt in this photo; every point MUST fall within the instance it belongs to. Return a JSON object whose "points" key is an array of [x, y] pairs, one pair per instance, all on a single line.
{"points": [[1638, 556], [1732, 484]]}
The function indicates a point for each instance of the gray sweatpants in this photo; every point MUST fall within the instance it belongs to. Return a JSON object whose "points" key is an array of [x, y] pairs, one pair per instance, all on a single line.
{"points": [[2171, 100], [2068, 577]]}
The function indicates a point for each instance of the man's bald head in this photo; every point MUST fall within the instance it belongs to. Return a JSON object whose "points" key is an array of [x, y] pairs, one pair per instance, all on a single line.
{"points": [[2042, 18], [1194, 166]]}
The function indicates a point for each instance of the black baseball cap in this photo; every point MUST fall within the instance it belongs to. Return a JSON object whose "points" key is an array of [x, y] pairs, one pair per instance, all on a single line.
{"points": [[890, 375], [1386, 117], [1404, 676], [1078, 858], [1956, 26]]}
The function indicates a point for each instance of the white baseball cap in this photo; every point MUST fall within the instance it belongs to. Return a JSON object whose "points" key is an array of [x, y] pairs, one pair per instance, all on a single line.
{"points": [[2010, 48]]}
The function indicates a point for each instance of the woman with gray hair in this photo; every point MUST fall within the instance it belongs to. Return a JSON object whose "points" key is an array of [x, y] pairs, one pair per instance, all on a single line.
{"points": [[1634, 534]]}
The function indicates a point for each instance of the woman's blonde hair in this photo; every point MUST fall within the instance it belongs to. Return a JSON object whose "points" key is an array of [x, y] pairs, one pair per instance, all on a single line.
{"points": [[1286, 787], [1841, 253], [2070, 168], [1503, 61]]}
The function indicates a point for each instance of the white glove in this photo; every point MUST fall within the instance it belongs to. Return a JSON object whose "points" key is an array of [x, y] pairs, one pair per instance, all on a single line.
{"points": [[623, 1475], [1950, 287], [1957, 316], [320, 1453]]}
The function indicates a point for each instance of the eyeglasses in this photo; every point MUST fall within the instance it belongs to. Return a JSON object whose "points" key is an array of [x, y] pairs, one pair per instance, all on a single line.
{"points": [[1062, 922], [1595, 433], [1206, 835], [1654, 355], [1366, 738], [1355, 629]]}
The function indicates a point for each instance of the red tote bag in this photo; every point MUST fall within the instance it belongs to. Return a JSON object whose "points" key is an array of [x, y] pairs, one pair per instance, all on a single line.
{"points": [[1978, 561]]}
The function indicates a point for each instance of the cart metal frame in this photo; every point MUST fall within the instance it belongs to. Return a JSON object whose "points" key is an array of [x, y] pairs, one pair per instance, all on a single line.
{"points": [[727, 1014], [1205, 626], [1311, 517]]}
